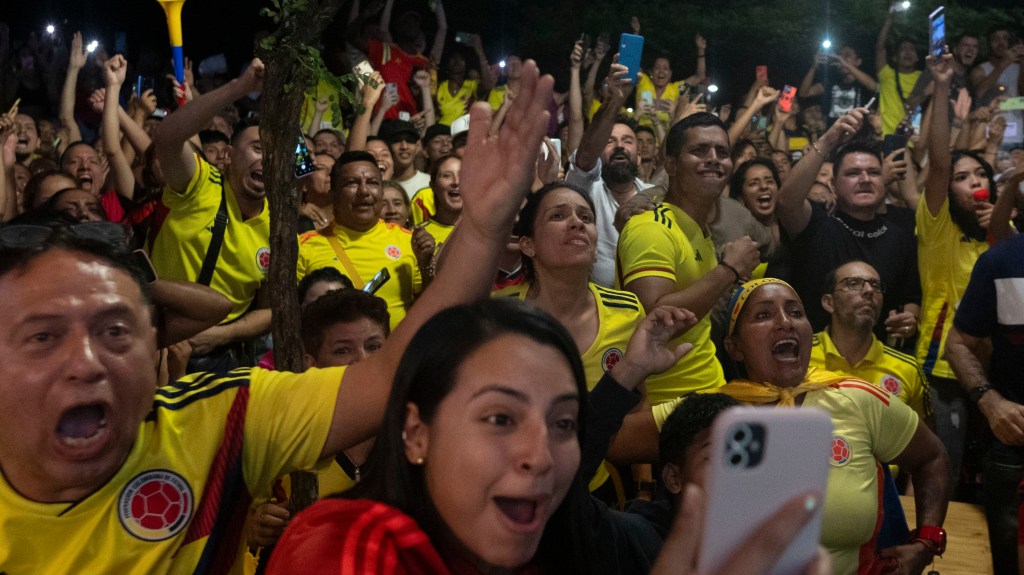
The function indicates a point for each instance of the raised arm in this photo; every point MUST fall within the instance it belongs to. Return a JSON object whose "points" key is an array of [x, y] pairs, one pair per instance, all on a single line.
{"points": [[808, 87], [793, 210], [486, 78], [370, 92], [597, 56], [498, 171], [114, 71], [765, 95], [702, 61], [881, 55], [936, 187], [176, 157], [320, 106], [576, 124], [864, 78], [7, 130], [69, 132], [596, 135], [442, 32]]}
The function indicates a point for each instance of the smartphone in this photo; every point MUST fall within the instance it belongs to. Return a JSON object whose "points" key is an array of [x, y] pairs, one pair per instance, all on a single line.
{"points": [[762, 73], [142, 84], [631, 48], [1016, 103], [392, 89], [760, 458], [557, 142], [937, 31], [647, 97], [304, 165], [464, 38], [786, 99], [404, 116], [378, 280], [893, 142], [361, 69], [915, 120]]}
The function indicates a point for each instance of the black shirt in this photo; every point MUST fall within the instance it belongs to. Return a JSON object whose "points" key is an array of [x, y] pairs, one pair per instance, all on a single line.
{"points": [[887, 243]]}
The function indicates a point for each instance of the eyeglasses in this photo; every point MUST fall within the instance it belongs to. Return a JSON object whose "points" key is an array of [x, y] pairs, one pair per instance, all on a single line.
{"points": [[23, 236], [856, 284]]}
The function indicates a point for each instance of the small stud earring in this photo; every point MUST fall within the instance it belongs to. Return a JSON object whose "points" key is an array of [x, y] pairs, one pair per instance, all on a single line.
{"points": [[419, 461]]}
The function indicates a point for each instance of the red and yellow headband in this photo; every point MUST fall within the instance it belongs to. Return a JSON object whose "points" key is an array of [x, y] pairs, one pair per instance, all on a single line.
{"points": [[739, 297]]}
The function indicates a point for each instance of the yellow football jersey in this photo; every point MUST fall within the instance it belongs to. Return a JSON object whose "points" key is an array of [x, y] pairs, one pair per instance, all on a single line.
{"points": [[667, 243], [422, 207], [178, 502], [438, 231], [382, 246], [180, 246], [452, 107]]}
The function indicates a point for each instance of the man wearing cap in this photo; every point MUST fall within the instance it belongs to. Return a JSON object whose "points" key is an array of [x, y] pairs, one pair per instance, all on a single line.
{"points": [[437, 143], [460, 131], [404, 140]]}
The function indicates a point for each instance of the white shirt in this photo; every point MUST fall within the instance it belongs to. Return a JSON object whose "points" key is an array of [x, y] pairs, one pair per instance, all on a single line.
{"points": [[416, 183], [605, 207]]}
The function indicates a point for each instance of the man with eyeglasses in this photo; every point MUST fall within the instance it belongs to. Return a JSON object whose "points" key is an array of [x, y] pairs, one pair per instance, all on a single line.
{"points": [[862, 228], [848, 345]]}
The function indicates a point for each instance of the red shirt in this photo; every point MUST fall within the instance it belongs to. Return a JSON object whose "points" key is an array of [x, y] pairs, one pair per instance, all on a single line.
{"points": [[396, 67]]}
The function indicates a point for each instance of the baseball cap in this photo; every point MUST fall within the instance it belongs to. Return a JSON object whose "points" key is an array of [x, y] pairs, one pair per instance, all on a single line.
{"points": [[392, 131]]}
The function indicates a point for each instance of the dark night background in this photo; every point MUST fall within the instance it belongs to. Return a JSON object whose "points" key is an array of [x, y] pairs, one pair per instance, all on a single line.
{"points": [[782, 34]]}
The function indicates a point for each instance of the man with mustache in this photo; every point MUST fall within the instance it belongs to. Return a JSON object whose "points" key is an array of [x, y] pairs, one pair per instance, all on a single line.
{"points": [[606, 164], [848, 345], [359, 244]]}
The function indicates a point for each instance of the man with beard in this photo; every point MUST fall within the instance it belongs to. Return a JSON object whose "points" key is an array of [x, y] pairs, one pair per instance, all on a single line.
{"points": [[360, 244], [965, 52], [605, 163], [819, 243], [215, 228], [666, 256], [849, 346]]}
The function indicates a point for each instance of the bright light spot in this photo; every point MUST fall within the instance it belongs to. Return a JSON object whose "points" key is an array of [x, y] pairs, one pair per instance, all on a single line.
{"points": [[501, 64], [630, 110], [905, 5], [50, 29], [91, 46], [712, 88], [826, 43]]}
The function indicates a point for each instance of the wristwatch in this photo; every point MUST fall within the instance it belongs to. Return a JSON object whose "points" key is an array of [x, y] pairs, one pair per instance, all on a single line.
{"points": [[933, 537], [975, 393]]}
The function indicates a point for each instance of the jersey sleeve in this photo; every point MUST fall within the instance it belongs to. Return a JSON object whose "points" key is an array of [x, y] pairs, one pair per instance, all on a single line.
{"points": [[580, 178], [977, 314], [204, 175], [646, 249], [890, 422], [288, 419]]}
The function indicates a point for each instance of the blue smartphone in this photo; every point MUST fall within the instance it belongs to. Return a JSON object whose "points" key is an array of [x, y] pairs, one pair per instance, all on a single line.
{"points": [[937, 31], [631, 48]]}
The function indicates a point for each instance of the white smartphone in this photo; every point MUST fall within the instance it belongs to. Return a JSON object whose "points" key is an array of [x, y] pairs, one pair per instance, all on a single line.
{"points": [[760, 458], [557, 142]]}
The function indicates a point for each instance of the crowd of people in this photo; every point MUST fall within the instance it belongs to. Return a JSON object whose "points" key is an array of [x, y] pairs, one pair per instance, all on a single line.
{"points": [[522, 309]]}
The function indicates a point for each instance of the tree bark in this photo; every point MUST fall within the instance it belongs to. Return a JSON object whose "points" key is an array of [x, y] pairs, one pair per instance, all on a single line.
{"points": [[284, 84]]}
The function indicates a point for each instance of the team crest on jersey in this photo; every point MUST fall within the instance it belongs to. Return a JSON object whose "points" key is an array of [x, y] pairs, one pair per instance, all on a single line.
{"points": [[892, 384], [263, 259], [155, 505], [392, 251], [610, 358], [841, 451]]}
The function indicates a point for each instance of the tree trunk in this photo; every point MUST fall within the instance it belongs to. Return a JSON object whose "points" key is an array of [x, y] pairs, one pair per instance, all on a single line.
{"points": [[284, 84]]}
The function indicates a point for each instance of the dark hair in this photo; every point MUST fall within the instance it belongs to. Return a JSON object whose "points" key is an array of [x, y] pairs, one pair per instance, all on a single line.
{"points": [[695, 413], [72, 146], [327, 274], [855, 146], [677, 134], [242, 125], [426, 375], [332, 132], [51, 203], [736, 183], [647, 129], [528, 217], [63, 237], [830, 278], [741, 145], [626, 121], [966, 219], [36, 182], [213, 137], [340, 306], [435, 168]]}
